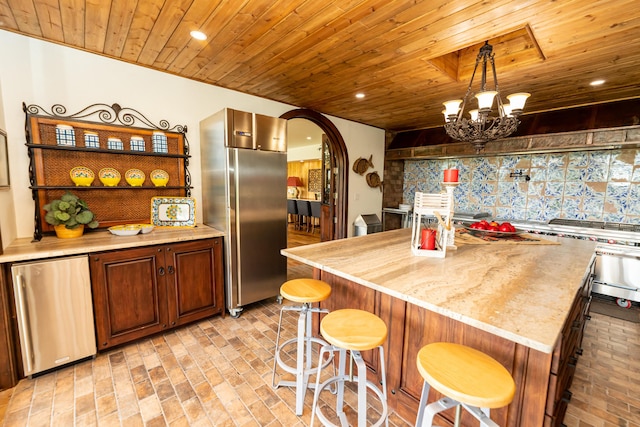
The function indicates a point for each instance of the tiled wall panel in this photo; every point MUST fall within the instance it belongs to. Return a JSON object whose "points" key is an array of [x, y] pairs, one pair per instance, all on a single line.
{"points": [[594, 185]]}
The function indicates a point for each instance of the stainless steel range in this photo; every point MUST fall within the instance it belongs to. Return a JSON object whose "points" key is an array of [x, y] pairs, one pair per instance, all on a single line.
{"points": [[617, 266]]}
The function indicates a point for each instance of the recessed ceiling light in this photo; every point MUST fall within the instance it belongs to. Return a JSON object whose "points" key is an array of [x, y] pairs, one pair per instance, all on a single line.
{"points": [[359, 95], [597, 82], [309, 138], [198, 35]]}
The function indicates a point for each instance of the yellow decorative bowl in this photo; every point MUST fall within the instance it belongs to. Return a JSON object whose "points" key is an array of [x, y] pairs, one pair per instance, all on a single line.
{"points": [[159, 178], [82, 176], [135, 177], [125, 230], [146, 228], [110, 177]]}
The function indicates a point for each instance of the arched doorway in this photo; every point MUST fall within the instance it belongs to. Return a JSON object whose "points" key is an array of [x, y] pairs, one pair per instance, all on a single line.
{"points": [[339, 161]]}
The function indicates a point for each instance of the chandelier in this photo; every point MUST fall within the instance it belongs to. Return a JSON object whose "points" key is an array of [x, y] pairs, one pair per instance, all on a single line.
{"points": [[481, 127]]}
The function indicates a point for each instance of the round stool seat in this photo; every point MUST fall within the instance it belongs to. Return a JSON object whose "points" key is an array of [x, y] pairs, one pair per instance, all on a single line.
{"points": [[466, 375], [305, 290], [353, 329]]}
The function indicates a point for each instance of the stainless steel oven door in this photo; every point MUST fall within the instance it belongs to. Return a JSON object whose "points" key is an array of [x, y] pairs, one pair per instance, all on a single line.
{"points": [[617, 272]]}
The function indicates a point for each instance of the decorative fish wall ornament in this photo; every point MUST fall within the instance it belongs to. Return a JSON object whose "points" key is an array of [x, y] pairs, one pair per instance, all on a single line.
{"points": [[373, 180], [361, 165]]}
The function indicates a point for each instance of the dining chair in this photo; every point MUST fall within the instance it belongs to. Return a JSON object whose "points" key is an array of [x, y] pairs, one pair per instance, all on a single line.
{"points": [[304, 212], [315, 215]]}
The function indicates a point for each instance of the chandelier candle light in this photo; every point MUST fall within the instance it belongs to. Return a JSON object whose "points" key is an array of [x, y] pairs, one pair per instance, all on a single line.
{"points": [[481, 128]]}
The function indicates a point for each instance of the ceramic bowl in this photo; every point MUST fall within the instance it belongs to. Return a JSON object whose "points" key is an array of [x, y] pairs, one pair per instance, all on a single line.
{"points": [[146, 228], [159, 178], [135, 177], [110, 177], [82, 176], [125, 230]]}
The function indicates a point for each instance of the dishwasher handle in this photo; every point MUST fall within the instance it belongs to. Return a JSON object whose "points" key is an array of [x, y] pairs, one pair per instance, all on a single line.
{"points": [[24, 320]]}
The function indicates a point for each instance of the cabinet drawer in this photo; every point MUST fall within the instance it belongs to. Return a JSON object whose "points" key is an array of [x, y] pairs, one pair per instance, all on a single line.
{"points": [[571, 332], [559, 386]]}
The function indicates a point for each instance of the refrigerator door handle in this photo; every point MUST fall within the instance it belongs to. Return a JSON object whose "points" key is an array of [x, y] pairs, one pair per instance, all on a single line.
{"points": [[24, 319]]}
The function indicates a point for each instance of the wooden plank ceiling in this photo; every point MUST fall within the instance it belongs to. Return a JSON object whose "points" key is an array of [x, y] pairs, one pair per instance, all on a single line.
{"points": [[407, 57]]}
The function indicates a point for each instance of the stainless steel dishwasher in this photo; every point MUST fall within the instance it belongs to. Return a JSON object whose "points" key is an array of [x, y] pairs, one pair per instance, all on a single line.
{"points": [[55, 314]]}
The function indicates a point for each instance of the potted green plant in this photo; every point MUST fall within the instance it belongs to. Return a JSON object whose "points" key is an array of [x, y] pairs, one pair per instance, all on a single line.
{"points": [[69, 215]]}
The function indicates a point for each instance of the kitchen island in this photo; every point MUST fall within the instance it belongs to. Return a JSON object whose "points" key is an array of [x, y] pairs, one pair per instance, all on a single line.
{"points": [[524, 304]]}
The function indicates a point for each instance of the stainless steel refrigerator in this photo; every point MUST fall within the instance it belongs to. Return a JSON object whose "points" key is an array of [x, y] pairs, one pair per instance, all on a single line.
{"points": [[244, 194]]}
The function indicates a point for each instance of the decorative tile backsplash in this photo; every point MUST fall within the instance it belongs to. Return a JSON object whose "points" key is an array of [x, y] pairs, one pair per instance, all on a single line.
{"points": [[593, 185]]}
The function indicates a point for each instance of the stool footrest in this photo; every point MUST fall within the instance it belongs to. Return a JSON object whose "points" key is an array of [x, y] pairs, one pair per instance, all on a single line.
{"points": [[294, 370], [447, 403]]}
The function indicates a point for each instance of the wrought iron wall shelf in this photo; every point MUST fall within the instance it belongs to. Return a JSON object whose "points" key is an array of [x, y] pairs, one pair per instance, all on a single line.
{"points": [[51, 162], [106, 151], [102, 187]]}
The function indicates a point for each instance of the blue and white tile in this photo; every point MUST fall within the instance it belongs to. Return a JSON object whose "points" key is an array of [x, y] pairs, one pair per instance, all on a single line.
{"points": [[538, 174], [576, 174], [555, 174], [554, 189], [570, 207], [613, 217], [633, 206], [574, 189], [596, 172], [578, 159], [616, 197], [535, 188], [539, 160], [620, 172], [558, 160]]}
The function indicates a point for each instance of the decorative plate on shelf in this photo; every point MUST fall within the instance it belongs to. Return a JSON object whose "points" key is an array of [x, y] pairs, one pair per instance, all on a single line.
{"points": [[173, 211], [125, 230], [110, 177], [135, 177], [82, 176], [159, 177]]}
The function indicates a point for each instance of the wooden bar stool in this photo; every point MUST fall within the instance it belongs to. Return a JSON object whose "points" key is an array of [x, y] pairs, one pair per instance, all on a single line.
{"points": [[467, 377], [356, 331], [306, 292]]}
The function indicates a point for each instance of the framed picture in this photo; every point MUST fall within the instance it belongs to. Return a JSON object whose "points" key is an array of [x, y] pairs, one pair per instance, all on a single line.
{"points": [[315, 180], [4, 160]]}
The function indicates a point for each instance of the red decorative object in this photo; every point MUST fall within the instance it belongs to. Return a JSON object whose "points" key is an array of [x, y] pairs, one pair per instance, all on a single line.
{"points": [[428, 239], [451, 175], [294, 181]]}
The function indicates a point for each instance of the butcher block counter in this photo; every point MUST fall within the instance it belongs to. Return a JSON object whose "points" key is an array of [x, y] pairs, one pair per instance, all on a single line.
{"points": [[25, 249], [524, 303]]}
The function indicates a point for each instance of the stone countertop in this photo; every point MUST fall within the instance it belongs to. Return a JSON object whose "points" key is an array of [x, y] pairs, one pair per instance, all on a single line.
{"points": [[25, 249], [522, 293]]}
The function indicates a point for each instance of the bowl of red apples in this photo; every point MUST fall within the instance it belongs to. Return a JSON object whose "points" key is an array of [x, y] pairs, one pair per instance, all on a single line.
{"points": [[492, 229]]}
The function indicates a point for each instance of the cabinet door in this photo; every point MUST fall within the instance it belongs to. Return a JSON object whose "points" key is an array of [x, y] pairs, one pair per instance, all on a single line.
{"points": [[129, 298], [194, 280]]}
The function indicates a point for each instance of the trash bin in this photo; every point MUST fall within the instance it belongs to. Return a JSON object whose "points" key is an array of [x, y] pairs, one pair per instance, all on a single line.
{"points": [[367, 224]]}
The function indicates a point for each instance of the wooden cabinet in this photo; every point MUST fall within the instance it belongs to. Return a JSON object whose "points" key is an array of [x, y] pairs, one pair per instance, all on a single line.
{"points": [[142, 291], [566, 354], [542, 380]]}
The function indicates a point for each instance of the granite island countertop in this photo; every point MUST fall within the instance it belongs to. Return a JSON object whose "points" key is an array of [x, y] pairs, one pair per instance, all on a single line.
{"points": [[25, 249], [520, 292]]}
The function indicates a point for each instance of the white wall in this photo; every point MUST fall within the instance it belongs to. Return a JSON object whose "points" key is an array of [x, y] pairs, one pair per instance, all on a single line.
{"points": [[6, 196], [310, 152], [42, 73]]}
